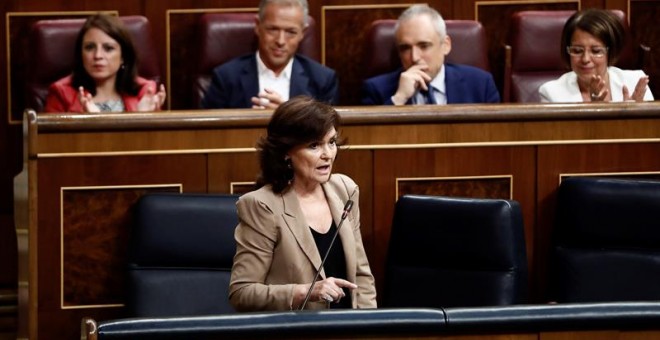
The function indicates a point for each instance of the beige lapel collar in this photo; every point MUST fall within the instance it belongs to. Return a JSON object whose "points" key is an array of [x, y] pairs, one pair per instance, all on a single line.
{"points": [[295, 220]]}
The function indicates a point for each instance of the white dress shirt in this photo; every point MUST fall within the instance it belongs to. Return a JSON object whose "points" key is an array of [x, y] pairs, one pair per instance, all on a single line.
{"points": [[269, 80]]}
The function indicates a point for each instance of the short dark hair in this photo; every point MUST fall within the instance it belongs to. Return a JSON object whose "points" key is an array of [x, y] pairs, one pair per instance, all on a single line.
{"points": [[298, 121], [127, 74], [602, 24]]}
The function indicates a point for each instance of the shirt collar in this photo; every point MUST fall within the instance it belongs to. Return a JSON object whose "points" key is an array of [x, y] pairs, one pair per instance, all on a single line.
{"points": [[263, 70]]}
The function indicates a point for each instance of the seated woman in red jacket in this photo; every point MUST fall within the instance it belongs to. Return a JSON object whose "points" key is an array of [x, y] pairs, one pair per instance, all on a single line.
{"points": [[104, 77]]}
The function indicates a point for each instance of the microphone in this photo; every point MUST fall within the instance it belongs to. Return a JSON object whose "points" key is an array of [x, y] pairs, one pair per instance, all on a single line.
{"points": [[347, 209]]}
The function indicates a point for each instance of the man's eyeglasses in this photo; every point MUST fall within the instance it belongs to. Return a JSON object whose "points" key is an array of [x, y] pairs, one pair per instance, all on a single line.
{"points": [[578, 51]]}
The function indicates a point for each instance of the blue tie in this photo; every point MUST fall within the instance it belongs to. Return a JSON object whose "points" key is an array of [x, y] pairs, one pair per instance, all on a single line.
{"points": [[430, 98]]}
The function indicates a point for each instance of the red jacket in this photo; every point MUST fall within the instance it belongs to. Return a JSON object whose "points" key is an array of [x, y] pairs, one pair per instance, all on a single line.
{"points": [[62, 97]]}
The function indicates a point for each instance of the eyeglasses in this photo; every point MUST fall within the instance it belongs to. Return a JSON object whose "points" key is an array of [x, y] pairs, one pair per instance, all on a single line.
{"points": [[578, 51]]}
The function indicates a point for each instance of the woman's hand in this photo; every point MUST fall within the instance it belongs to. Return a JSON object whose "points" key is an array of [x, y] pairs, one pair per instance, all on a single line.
{"points": [[640, 90], [152, 101], [328, 290], [87, 101], [598, 90]]}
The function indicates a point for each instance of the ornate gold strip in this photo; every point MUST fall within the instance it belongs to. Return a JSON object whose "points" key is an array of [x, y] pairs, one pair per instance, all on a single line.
{"points": [[410, 179], [355, 147], [144, 152], [232, 184]]}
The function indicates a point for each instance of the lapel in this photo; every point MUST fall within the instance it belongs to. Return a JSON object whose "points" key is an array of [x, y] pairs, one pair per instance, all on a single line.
{"points": [[295, 220], [453, 86], [130, 103], [72, 97], [299, 80], [249, 80]]}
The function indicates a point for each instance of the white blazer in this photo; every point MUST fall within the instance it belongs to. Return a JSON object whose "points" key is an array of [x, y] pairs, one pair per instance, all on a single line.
{"points": [[566, 90]]}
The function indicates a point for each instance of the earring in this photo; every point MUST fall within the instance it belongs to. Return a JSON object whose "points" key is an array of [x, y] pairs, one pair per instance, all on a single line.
{"points": [[288, 163]]}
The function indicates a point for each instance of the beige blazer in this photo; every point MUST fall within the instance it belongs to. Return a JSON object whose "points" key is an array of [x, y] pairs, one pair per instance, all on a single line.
{"points": [[275, 249]]}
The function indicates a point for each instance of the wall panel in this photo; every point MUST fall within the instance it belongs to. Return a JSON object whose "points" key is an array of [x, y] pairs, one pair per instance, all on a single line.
{"points": [[85, 221], [620, 160]]}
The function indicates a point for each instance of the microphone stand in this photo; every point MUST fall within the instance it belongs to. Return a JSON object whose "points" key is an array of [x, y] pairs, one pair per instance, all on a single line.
{"points": [[347, 209]]}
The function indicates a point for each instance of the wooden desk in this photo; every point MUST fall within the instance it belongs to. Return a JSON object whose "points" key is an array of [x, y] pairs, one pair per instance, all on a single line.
{"points": [[82, 173]]}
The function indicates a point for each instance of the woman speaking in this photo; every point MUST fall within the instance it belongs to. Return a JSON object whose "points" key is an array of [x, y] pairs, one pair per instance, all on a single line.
{"points": [[286, 226]]}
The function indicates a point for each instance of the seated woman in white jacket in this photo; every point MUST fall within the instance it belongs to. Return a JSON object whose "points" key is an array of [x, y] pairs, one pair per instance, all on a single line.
{"points": [[591, 42]]}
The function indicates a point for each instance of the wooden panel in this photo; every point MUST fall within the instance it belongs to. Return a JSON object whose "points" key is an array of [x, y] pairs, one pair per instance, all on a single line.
{"points": [[228, 168], [477, 187], [111, 223], [96, 223], [629, 160]]}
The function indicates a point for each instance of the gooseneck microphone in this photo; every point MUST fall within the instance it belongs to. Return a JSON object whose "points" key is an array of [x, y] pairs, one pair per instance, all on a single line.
{"points": [[347, 209]]}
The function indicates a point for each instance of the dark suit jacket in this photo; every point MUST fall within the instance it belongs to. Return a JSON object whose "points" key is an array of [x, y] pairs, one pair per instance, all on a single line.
{"points": [[63, 97], [236, 81], [464, 84], [276, 250]]}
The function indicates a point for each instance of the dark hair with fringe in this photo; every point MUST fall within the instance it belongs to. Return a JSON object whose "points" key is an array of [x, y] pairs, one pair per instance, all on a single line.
{"points": [[298, 121], [602, 24], [126, 75]]}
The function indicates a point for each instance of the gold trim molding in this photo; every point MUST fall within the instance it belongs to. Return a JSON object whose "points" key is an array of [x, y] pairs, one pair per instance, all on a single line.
{"points": [[232, 184], [355, 147]]}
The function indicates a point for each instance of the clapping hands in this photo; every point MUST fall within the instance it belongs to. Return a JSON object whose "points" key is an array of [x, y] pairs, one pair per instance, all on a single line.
{"points": [[87, 101], [151, 100], [599, 90], [638, 93]]}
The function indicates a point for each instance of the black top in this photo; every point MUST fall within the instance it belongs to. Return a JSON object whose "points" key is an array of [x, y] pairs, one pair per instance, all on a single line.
{"points": [[335, 264]]}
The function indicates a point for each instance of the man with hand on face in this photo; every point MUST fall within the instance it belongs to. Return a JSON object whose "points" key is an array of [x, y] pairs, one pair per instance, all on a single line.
{"points": [[274, 73], [422, 41]]}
